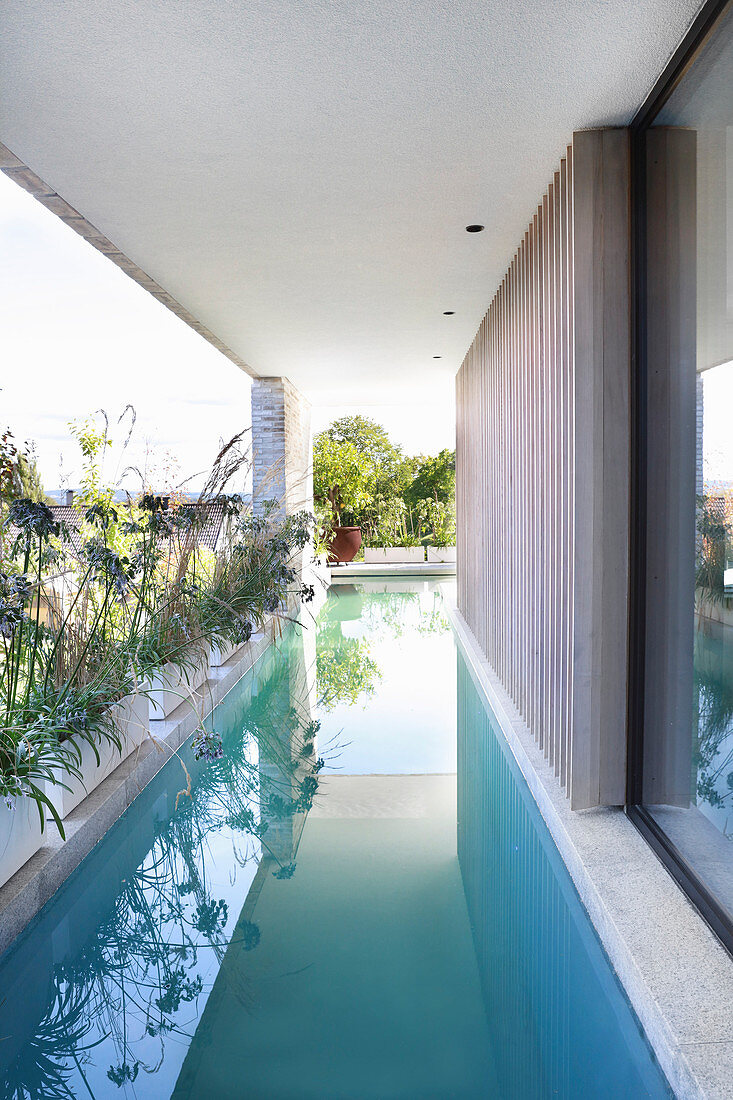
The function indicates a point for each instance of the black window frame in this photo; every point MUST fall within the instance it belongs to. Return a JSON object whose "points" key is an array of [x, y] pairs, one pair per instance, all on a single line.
{"points": [[712, 911]]}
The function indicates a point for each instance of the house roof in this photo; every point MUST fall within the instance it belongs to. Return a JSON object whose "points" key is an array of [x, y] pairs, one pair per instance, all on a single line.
{"points": [[209, 530]]}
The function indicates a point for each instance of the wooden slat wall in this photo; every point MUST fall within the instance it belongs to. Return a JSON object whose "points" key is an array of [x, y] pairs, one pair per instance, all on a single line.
{"points": [[515, 456], [519, 553]]}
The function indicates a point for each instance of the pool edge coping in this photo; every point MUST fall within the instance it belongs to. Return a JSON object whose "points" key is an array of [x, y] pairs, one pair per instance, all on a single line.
{"points": [[675, 972]]}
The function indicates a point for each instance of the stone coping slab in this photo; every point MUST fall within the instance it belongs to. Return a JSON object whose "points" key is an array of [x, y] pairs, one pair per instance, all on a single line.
{"points": [[30, 888], [676, 973], [347, 572]]}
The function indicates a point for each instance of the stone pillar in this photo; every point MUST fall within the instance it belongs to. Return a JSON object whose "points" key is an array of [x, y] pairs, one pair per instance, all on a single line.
{"points": [[281, 447]]}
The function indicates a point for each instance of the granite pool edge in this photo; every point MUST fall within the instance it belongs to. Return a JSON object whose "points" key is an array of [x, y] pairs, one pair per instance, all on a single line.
{"points": [[676, 974], [25, 894]]}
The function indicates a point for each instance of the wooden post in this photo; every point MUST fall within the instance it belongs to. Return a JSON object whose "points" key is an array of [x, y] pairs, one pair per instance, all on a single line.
{"points": [[601, 201], [671, 469]]}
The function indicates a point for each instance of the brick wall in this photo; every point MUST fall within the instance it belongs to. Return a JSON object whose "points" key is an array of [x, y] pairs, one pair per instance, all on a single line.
{"points": [[281, 446]]}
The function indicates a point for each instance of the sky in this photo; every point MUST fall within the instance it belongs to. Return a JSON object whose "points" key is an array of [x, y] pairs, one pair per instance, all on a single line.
{"points": [[717, 434], [78, 335]]}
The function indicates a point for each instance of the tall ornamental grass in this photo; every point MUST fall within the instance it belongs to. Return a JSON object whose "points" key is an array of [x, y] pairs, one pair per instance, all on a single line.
{"points": [[87, 617]]}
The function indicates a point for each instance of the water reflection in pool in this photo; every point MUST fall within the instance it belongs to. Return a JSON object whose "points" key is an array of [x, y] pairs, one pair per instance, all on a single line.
{"points": [[298, 925]]}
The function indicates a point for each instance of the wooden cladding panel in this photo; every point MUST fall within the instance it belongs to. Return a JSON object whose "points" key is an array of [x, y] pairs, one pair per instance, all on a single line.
{"points": [[514, 485], [530, 524]]}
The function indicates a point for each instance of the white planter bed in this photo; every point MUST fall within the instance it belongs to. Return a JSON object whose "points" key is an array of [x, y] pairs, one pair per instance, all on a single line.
{"points": [[441, 553], [20, 836], [381, 555], [220, 657], [131, 720], [170, 686]]}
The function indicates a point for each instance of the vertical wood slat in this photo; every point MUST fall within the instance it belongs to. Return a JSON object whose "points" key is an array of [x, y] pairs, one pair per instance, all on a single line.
{"points": [[532, 565], [515, 476]]}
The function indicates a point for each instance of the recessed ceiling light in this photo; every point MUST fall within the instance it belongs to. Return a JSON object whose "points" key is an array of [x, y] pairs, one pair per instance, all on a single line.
{"points": [[474, 228], [448, 312]]}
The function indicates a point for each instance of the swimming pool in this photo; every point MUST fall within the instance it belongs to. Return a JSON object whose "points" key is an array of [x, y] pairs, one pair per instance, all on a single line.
{"points": [[358, 900]]}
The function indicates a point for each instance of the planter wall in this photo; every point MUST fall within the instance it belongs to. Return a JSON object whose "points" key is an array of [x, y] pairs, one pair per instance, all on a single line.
{"points": [[716, 611], [441, 553], [219, 657], [170, 686], [380, 555], [20, 836], [131, 720]]}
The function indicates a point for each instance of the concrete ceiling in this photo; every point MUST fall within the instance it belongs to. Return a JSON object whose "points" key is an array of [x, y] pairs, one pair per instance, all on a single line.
{"points": [[298, 173]]}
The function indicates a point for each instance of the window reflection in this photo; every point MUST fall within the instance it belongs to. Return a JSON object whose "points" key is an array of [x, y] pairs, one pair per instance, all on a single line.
{"points": [[132, 946], [688, 726]]}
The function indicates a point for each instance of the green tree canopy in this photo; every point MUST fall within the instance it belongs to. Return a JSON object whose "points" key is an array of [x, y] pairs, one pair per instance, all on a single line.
{"points": [[358, 468], [19, 476], [368, 481], [342, 477], [435, 479]]}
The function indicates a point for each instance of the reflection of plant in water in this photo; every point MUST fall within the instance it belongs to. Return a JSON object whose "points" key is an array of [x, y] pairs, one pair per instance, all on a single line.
{"points": [[713, 763], [136, 982], [397, 613], [345, 668], [713, 538], [714, 693], [286, 871], [434, 620], [119, 1074], [63, 1028]]}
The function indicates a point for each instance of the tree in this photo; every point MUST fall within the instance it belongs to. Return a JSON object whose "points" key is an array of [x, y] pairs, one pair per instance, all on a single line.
{"points": [[342, 477], [435, 480], [367, 481], [359, 470], [19, 476], [370, 439]]}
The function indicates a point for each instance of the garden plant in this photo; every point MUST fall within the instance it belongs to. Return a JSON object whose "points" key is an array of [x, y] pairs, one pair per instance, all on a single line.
{"points": [[362, 479], [90, 612]]}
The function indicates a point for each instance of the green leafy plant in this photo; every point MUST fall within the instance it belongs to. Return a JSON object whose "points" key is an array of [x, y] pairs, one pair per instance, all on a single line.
{"points": [[435, 479], [341, 479], [396, 525], [714, 536], [363, 479], [438, 519], [88, 617]]}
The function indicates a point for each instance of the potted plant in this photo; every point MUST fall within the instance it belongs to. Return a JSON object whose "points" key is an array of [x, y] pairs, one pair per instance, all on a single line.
{"points": [[341, 481]]}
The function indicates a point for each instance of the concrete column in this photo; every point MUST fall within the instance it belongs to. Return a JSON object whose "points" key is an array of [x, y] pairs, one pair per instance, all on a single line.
{"points": [[281, 447]]}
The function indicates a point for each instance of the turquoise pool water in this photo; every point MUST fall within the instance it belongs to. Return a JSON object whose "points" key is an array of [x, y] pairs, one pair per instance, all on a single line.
{"points": [[359, 901]]}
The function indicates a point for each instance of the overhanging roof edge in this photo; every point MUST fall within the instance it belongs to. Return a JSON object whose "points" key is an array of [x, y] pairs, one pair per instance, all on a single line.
{"points": [[15, 169]]}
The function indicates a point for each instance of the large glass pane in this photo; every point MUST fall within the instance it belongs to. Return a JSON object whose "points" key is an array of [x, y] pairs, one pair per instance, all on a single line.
{"points": [[688, 730]]}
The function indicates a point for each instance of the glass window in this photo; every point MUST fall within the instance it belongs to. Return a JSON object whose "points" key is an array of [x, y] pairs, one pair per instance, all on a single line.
{"points": [[687, 783], [688, 721]]}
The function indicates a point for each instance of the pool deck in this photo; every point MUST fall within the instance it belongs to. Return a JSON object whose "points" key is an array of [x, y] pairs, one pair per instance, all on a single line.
{"points": [[676, 973]]}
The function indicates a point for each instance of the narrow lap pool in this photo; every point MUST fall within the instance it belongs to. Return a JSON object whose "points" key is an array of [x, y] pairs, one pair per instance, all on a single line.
{"points": [[359, 901]]}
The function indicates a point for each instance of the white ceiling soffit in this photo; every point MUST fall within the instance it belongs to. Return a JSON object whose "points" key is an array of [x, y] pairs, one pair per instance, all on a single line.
{"points": [[298, 173]]}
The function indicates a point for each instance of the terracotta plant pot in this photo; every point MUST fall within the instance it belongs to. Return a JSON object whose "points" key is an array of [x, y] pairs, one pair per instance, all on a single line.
{"points": [[345, 544]]}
